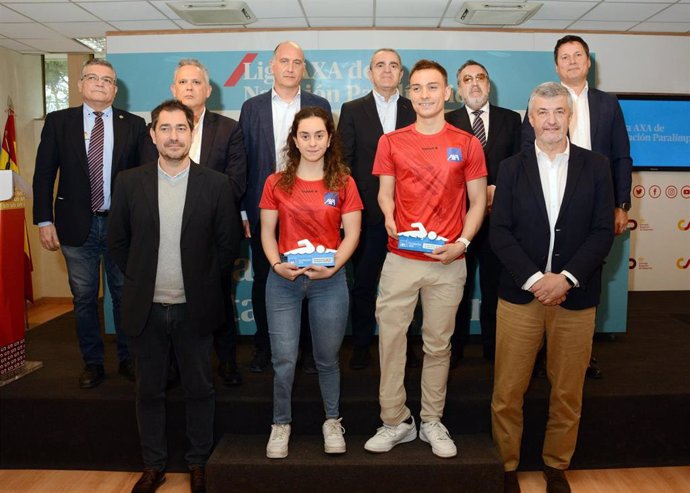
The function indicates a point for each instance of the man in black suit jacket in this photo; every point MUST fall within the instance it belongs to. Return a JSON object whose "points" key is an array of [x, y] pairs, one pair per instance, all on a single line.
{"points": [[174, 233], [597, 124], [501, 130], [80, 220], [264, 139], [362, 122], [551, 227], [217, 144]]}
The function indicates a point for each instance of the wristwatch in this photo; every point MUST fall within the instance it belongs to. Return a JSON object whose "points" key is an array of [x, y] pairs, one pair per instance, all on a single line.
{"points": [[623, 205]]}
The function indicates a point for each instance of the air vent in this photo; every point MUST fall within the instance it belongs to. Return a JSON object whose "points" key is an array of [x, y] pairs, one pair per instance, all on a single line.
{"points": [[214, 13], [496, 14]]}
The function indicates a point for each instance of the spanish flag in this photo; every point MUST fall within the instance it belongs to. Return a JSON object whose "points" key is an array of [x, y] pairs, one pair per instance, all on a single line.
{"points": [[8, 161]]}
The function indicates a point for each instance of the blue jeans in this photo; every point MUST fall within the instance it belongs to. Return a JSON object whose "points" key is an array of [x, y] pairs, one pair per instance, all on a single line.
{"points": [[169, 326], [84, 273], [328, 306]]}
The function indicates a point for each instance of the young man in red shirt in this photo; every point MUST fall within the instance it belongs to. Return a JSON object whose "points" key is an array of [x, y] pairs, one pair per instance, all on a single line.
{"points": [[426, 171]]}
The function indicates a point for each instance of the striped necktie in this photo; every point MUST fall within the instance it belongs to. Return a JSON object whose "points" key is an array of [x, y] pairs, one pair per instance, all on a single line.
{"points": [[95, 160], [478, 127]]}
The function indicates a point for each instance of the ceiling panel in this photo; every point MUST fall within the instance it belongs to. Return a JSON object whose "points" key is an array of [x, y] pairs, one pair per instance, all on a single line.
{"points": [[563, 10], [407, 22], [63, 45], [675, 13], [668, 27], [629, 12], [122, 11], [601, 26], [23, 30], [54, 12], [7, 15], [14, 45], [80, 29], [341, 21], [410, 8], [285, 22], [337, 8], [275, 8], [144, 25]]}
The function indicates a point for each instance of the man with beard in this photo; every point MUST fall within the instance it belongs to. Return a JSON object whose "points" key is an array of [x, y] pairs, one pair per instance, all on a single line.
{"points": [[173, 232]]}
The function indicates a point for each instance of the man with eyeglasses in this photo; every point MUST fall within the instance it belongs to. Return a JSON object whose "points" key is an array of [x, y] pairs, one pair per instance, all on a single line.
{"points": [[88, 145], [498, 130]]}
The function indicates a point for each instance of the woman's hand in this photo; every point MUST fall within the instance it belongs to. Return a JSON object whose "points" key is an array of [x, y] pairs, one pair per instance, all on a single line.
{"points": [[288, 270], [315, 272]]}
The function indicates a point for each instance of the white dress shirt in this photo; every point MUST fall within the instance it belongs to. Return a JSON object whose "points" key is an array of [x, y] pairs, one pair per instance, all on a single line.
{"points": [[387, 110], [283, 115], [579, 129]]}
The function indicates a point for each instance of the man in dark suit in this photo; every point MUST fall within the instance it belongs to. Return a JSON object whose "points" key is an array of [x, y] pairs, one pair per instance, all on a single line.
{"points": [[173, 232], [79, 223], [265, 121], [217, 144], [362, 122], [597, 124], [498, 129], [551, 227]]}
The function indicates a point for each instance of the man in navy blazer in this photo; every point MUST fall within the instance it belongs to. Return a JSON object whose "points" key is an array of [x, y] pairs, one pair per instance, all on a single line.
{"points": [[597, 124], [362, 122], [79, 223], [217, 144], [501, 129], [551, 228], [265, 121]]}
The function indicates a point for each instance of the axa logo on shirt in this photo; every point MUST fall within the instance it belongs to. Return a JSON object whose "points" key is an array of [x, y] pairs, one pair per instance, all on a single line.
{"points": [[454, 154], [330, 199]]}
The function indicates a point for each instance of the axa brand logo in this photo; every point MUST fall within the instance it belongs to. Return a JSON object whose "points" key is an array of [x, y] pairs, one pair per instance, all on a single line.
{"points": [[330, 199], [682, 263], [684, 225], [454, 154]]}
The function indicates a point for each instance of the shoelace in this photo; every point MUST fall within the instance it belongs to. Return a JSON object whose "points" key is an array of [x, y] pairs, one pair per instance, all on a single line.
{"points": [[389, 431], [279, 432], [334, 427], [439, 431]]}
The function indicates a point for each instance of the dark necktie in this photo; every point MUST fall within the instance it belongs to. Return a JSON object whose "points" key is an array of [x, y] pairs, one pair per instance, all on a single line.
{"points": [[478, 127], [95, 160]]}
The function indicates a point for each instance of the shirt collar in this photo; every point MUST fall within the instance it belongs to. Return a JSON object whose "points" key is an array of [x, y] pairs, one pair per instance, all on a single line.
{"points": [[380, 99], [275, 97], [89, 111], [565, 153], [484, 108], [573, 94]]}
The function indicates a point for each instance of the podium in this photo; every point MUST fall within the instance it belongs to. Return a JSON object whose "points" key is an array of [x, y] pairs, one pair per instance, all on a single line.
{"points": [[13, 364]]}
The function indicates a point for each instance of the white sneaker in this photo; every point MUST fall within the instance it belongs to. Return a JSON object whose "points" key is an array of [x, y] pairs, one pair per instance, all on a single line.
{"points": [[436, 435], [388, 437], [277, 447], [333, 440]]}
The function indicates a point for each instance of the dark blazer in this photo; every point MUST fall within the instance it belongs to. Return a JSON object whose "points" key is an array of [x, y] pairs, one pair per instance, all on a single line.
{"points": [[209, 241], [222, 149], [609, 137], [360, 128], [504, 135], [256, 121], [62, 148], [584, 228]]}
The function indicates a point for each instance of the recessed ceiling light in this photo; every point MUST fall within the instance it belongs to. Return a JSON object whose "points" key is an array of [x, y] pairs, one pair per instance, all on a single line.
{"points": [[95, 44]]}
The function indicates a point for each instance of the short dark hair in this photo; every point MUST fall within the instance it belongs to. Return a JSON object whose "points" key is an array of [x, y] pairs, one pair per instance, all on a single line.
{"points": [[570, 38], [469, 63], [425, 64], [172, 105], [98, 61]]}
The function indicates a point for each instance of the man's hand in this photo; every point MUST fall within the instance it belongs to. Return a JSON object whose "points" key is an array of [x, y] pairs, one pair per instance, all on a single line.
{"points": [[49, 237], [620, 223], [551, 289], [448, 252], [392, 229], [247, 228]]}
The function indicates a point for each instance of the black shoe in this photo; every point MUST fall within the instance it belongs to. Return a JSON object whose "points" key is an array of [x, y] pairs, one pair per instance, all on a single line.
{"points": [[261, 360], [127, 370], [360, 358], [308, 363], [229, 374], [149, 481], [91, 377], [413, 361], [197, 478], [510, 482], [593, 370], [556, 481]]}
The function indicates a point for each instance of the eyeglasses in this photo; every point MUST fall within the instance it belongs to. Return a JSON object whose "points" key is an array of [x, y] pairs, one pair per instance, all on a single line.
{"points": [[93, 78], [468, 79]]}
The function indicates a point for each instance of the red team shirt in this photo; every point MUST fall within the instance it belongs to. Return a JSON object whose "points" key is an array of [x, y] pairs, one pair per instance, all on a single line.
{"points": [[430, 174], [311, 212]]}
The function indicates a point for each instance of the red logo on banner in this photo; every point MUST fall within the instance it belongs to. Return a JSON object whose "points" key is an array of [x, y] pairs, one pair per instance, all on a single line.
{"points": [[239, 70], [681, 263], [655, 191], [684, 225], [638, 191], [671, 192], [685, 192]]}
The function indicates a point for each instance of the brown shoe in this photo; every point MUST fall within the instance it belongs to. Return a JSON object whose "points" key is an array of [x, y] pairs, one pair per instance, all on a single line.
{"points": [[556, 481], [149, 481], [197, 478], [510, 482]]}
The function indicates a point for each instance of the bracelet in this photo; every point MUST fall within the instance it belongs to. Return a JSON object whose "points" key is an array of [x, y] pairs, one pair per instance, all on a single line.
{"points": [[273, 267]]}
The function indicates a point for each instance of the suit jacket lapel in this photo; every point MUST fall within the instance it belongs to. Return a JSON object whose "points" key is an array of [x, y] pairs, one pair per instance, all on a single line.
{"points": [[465, 120], [575, 163], [194, 188], [208, 133], [76, 128], [532, 171], [593, 103], [372, 113]]}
